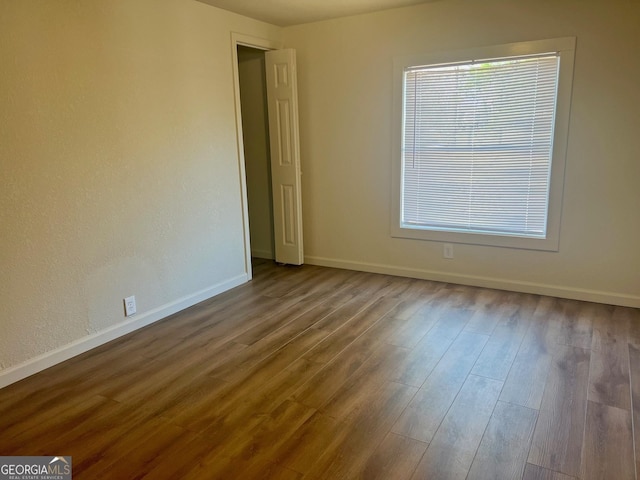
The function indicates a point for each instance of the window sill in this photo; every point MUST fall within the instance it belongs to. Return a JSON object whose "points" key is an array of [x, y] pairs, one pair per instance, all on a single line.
{"points": [[549, 244]]}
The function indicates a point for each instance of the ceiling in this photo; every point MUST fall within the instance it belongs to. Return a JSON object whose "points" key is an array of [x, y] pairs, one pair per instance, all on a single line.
{"points": [[294, 12]]}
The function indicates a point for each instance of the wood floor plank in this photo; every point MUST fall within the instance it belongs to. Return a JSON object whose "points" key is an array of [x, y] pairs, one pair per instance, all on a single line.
{"points": [[396, 458], [489, 314], [111, 423], [344, 367], [20, 408], [276, 362], [221, 467], [243, 404], [324, 281], [498, 355], [462, 296], [426, 354], [295, 281], [346, 312], [608, 444], [181, 457], [634, 360], [454, 445], [557, 442], [320, 446], [502, 454], [281, 385], [159, 377], [279, 320], [301, 451], [82, 379], [374, 374], [608, 327], [631, 318], [350, 450], [265, 470], [224, 327], [423, 416], [534, 472], [190, 399], [137, 451], [416, 326], [324, 351], [24, 436], [577, 324], [527, 377], [259, 390], [609, 381], [260, 442], [491, 298], [274, 340]]}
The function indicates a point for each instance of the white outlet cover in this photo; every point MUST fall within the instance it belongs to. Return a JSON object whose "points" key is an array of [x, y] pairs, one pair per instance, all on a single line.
{"points": [[448, 251], [130, 306]]}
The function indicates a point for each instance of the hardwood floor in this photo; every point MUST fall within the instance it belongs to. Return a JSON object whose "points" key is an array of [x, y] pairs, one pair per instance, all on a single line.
{"points": [[318, 373]]}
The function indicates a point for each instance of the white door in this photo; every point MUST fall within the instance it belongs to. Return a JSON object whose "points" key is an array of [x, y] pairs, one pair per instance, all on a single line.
{"points": [[282, 101]]}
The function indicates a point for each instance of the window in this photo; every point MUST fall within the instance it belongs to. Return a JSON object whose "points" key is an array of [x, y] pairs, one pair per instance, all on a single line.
{"points": [[482, 144]]}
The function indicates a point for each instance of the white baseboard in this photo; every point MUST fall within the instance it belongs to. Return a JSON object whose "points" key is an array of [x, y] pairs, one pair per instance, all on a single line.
{"points": [[610, 298], [18, 372]]}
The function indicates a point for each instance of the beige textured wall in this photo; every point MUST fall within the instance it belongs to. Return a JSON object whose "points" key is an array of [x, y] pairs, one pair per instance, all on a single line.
{"points": [[255, 131], [118, 163], [345, 87]]}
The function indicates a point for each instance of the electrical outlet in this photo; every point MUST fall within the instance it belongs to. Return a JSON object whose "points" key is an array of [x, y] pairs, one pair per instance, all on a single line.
{"points": [[130, 306], [448, 251]]}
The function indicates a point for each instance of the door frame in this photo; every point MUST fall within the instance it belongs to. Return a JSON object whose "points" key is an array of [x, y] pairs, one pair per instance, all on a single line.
{"points": [[238, 39]]}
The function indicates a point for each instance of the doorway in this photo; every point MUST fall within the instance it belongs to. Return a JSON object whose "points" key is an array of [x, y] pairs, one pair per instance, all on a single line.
{"points": [[283, 147], [257, 159]]}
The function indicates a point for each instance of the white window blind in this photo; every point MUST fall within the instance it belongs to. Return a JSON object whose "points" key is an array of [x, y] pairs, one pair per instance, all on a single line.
{"points": [[477, 145]]}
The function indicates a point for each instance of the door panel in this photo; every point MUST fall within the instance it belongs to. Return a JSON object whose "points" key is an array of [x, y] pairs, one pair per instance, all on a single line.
{"points": [[284, 132], [282, 101], [288, 215]]}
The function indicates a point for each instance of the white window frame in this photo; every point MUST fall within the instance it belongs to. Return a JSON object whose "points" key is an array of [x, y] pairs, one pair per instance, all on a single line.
{"points": [[565, 47]]}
